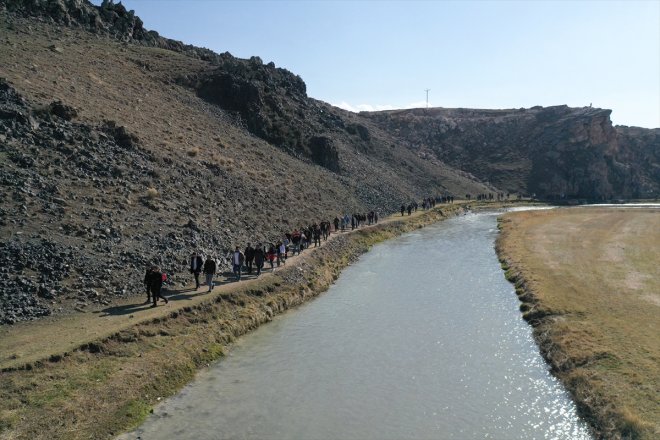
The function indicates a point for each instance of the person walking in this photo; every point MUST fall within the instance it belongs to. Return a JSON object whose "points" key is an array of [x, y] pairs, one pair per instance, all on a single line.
{"points": [[271, 256], [156, 278], [209, 271], [249, 257], [286, 241], [325, 230], [295, 240], [237, 259], [281, 253], [196, 265], [316, 233], [259, 257]]}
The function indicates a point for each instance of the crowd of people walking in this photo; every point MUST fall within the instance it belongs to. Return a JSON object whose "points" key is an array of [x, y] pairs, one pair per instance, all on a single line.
{"points": [[252, 259]]}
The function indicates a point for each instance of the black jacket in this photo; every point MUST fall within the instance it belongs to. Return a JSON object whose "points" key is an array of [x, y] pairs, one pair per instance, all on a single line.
{"points": [[155, 280], [249, 253], [198, 266], [209, 266], [259, 255]]}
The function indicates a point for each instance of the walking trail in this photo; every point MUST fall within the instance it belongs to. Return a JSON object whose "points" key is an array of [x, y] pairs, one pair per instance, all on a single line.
{"points": [[27, 342]]}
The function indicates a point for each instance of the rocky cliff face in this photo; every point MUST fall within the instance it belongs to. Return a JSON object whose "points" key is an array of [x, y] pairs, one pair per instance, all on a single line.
{"points": [[639, 149], [554, 152]]}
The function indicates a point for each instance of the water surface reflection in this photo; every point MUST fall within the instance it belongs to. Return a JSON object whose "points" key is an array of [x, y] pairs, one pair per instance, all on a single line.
{"points": [[421, 339]]}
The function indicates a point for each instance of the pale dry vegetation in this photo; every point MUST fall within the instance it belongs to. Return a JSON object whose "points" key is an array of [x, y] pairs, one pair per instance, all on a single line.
{"points": [[589, 280]]}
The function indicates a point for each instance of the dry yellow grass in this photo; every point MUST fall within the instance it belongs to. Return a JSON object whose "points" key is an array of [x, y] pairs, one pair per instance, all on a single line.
{"points": [[589, 279]]}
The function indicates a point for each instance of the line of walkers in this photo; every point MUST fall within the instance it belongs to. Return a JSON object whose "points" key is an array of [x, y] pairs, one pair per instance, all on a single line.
{"points": [[254, 258]]}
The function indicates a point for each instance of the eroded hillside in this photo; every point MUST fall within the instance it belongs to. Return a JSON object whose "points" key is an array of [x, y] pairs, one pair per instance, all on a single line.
{"points": [[120, 148]]}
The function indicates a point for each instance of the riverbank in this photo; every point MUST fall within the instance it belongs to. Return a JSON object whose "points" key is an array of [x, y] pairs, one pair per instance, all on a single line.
{"points": [[120, 368], [589, 284]]}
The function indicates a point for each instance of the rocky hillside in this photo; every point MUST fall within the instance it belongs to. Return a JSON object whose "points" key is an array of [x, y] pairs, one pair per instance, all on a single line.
{"points": [[120, 148], [552, 152]]}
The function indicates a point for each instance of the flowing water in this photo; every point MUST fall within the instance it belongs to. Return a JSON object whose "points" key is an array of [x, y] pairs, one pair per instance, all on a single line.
{"points": [[421, 339]]}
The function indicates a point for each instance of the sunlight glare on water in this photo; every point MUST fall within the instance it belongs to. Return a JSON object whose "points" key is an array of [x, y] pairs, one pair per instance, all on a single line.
{"points": [[422, 338]]}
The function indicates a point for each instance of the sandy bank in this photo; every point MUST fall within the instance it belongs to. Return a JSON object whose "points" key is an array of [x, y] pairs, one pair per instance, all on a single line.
{"points": [[589, 283]]}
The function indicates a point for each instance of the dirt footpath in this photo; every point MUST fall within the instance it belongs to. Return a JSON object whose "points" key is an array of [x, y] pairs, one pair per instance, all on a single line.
{"points": [[589, 280], [27, 342]]}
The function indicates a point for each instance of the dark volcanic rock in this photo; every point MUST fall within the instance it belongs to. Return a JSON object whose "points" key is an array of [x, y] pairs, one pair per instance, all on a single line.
{"points": [[111, 19], [121, 136], [263, 96], [324, 152], [52, 168], [63, 111]]}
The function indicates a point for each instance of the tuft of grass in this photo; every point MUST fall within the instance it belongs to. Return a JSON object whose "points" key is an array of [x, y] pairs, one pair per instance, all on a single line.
{"points": [[632, 426], [226, 162], [8, 420], [152, 193], [134, 412]]}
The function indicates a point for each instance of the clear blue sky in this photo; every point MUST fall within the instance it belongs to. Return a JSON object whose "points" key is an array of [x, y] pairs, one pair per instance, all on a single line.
{"points": [[479, 54]]}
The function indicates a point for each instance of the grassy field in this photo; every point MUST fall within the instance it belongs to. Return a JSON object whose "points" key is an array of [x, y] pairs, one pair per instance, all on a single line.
{"points": [[96, 375], [589, 282]]}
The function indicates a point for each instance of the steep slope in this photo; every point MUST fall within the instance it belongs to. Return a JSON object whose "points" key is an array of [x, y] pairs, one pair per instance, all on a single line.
{"points": [[119, 148], [553, 152]]}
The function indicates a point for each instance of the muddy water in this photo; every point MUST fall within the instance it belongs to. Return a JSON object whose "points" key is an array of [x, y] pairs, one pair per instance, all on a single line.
{"points": [[421, 339]]}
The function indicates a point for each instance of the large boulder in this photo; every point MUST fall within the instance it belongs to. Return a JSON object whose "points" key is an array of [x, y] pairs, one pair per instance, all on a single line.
{"points": [[324, 152]]}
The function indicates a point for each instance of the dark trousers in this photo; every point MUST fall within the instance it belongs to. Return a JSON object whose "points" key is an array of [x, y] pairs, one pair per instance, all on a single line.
{"points": [[155, 293], [248, 264], [196, 279]]}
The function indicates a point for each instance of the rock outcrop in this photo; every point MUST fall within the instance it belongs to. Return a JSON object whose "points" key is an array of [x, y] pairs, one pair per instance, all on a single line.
{"points": [[110, 19], [553, 153]]}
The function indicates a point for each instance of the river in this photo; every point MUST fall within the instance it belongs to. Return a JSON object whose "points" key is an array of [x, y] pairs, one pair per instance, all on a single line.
{"points": [[420, 339]]}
